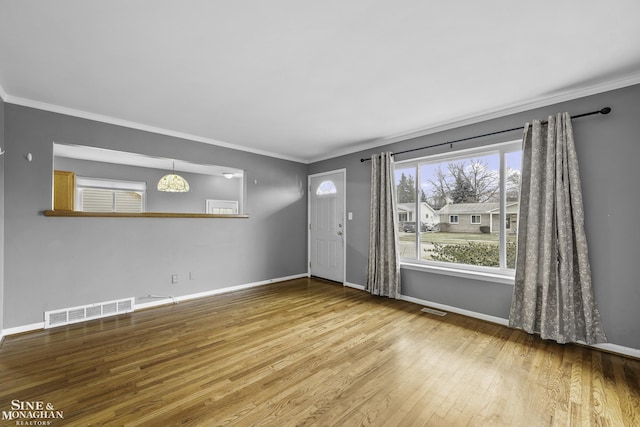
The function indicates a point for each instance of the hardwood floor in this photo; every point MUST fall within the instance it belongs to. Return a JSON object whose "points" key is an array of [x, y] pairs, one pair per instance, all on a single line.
{"points": [[308, 352]]}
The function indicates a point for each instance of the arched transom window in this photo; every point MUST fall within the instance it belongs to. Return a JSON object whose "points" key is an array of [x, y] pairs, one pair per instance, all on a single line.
{"points": [[326, 187]]}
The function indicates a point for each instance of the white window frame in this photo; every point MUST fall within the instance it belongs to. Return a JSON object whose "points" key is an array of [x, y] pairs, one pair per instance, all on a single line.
{"points": [[454, 219], [83, 182], [494, 274], [476, 222], [212, 205]]}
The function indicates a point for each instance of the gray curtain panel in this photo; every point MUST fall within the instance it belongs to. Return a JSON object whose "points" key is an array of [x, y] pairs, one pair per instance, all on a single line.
{"points": [[383, 275], [553, 293]]}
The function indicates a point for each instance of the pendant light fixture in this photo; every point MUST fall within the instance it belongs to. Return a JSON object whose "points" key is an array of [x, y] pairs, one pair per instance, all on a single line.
{"points": [[173, 183]]}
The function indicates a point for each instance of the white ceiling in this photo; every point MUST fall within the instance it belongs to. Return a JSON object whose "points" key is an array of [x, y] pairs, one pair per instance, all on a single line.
{"points": [[307, 80]]}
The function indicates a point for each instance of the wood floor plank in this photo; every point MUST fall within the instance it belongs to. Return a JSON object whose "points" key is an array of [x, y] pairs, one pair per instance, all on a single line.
{"points": [[310, 352]]}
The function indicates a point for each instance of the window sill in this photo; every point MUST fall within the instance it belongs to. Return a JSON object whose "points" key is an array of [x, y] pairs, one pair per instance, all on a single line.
{"points": [[62, 213], [497, 277]]}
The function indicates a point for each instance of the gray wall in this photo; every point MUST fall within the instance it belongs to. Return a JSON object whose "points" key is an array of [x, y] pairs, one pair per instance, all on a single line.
{"points": [[53, 263], [201, 186], [1, 217], [608, 151]]}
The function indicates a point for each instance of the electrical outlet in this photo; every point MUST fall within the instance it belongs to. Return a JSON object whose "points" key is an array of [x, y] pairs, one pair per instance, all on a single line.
{"points": [[174, 278]]}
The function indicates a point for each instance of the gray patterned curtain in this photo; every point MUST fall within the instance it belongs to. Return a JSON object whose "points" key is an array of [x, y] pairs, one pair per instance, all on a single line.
{"points": [[553, 295], [383, 275]]}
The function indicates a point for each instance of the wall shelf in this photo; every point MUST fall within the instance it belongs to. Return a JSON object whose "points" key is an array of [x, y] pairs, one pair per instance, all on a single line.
{"points": [[65, 213]]}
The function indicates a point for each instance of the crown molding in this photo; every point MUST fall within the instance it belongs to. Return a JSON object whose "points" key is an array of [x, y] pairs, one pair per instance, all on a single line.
{"points": [[495, 113], [139, 126]]}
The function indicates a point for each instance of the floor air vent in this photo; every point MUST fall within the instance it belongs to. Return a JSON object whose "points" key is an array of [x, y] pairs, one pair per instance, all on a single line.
{"points": [[433, 311], [70, 315]]}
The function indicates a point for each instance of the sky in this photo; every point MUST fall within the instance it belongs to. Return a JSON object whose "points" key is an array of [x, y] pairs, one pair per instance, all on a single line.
{"points": [[428, 169]]}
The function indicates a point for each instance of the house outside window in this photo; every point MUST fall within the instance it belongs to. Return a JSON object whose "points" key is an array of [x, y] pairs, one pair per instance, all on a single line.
{"points": [[473, 197]]}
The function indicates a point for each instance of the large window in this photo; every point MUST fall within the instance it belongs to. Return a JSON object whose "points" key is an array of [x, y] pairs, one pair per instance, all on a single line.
{"points": [[460, 209]]}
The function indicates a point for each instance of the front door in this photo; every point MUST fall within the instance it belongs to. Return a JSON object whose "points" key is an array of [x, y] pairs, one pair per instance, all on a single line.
{"points": [[326, 225]]}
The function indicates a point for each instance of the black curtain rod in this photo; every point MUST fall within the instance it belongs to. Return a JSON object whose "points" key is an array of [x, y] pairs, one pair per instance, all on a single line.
{"points": [[605, 110]]}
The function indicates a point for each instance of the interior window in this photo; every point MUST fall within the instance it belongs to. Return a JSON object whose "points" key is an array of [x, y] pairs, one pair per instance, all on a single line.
{"points": [[222, 207], [104, 195]]}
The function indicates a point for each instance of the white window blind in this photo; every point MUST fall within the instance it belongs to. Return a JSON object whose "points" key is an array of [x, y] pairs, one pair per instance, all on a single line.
{"points": [[101, 200], [96, 200], [221, 207], [127, 201], [100, 195]]}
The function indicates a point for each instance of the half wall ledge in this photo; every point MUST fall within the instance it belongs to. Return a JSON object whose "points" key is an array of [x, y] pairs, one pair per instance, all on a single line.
{"points": [[79, 214]]}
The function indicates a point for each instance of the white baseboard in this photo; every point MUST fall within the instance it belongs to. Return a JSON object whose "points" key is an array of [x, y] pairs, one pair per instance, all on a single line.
{"points": [[354, 285], [613, 348], [164, 301], [23, 328], [176, 299], [618, 349], [468, 313]]}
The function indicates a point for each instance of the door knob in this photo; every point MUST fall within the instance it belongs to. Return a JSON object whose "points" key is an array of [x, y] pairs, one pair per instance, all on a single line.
{"points": [[339, 233]]}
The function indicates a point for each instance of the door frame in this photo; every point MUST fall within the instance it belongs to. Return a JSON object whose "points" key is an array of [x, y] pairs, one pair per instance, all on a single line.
{"points": [[343, 171]]}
